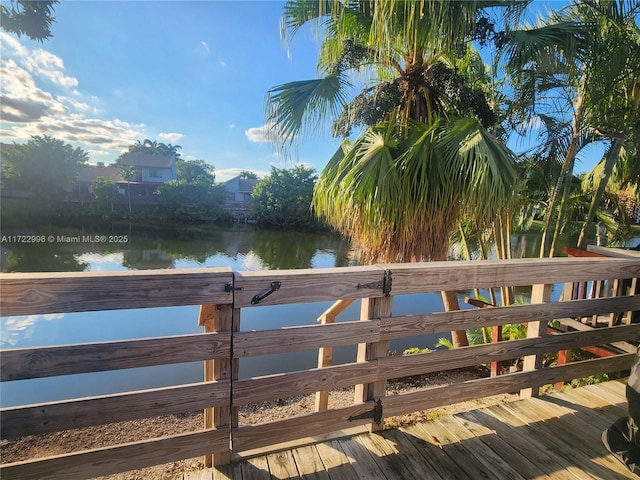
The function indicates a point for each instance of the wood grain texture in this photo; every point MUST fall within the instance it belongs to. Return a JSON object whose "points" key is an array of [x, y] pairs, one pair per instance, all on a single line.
{"points": [[55, 416], [308, 337], [39, 293], [464, 275], [256, 436], [307, 285], [105, 461], [38, 362], [449, 394]]}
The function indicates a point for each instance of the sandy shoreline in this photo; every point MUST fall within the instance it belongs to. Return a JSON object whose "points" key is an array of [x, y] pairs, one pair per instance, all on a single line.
{"points": [[104, 435]]}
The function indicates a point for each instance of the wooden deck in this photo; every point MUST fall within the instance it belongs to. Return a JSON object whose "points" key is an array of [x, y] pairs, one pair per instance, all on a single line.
{"points": [[556, 436]]}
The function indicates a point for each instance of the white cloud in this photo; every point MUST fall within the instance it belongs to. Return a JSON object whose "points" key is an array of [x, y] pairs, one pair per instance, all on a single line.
{"points": [[205, 46], [171, 137], [223, 64], [263, 134], [60, 111]]}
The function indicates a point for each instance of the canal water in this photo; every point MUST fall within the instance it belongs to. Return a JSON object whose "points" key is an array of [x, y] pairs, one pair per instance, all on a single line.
{"points": [[118, 247]]}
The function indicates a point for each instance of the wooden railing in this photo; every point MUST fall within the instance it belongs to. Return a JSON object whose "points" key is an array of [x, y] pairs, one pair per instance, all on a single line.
{"points": [[224, 294]]}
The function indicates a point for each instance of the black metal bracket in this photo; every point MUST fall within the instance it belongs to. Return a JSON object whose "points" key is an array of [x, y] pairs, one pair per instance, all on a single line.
{"points": [[228, 288], [384, 284], [258, 298], [375, 413]]}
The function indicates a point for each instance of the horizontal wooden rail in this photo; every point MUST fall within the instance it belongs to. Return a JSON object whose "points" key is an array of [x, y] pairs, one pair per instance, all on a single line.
{"points": [[39, 293], [512, 382], [120, 407], [39, 362], [308, 337], [261, 435], [284, 385], [131, 456]]}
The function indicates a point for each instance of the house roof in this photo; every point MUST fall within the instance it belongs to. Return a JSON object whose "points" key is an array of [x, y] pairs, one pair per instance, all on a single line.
{"points": [[244, 184], [89, 173], [147, 160]]}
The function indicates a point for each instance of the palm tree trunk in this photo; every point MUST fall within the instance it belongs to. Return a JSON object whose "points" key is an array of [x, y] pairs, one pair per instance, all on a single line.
{"points": [[562, 213], [610, 162], [565, 176], [458, 337]]}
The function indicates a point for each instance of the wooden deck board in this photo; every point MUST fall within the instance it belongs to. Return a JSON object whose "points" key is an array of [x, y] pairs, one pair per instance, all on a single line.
{"points": [[554, 437]]}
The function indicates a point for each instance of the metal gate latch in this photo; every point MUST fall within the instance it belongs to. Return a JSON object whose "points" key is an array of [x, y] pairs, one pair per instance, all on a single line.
{"points": [[375, 413], [258, 298]]}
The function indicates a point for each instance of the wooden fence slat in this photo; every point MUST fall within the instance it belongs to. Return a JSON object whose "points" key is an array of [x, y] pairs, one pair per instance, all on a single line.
{"points": [[397, 327], [255, 436], [55, 416], [306, 285], [307, 337], [283, 385], [39, 293], [120, 458], [460, 392], [441, 360], [467, 275], [39, 362]]}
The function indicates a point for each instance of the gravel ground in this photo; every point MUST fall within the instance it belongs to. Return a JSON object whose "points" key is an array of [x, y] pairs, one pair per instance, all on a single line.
{"points": [[94, 437]]}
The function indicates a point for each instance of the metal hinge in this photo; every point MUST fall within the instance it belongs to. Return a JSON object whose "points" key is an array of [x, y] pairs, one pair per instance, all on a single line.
{"points": [[384, 284], [375, 413]]}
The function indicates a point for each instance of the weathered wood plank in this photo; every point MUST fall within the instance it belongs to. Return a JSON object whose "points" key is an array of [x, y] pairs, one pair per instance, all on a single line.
{"points": [[105, 461], [361, 459], [256, 436], [388, 458], [306, 285], [409, 455], [394, 367], [335, 461], [466, 275], [256, 468], [283, 385], [449, 394], [309, 463], [427, 437], [282, 465], [499, 466], [557, 427], [63, 292], [39, 362], [307, 337], [531, 460], [56, 416], [397, 327]]}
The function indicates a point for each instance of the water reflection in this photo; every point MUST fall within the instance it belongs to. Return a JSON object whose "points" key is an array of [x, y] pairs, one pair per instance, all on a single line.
{"points": [[164, 248]]}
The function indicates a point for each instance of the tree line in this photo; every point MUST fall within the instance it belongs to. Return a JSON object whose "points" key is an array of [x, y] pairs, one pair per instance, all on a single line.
{"points": [[44, 166]]}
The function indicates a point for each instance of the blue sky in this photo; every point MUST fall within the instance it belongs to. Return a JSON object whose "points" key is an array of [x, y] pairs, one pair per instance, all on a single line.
{"points": [[191, 73]]}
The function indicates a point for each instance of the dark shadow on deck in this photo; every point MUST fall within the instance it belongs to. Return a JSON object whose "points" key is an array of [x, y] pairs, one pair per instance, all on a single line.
{"points": [[551, 437]]}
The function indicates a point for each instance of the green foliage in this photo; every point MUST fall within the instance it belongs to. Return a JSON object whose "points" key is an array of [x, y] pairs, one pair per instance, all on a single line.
{"points": [[154, 148], [28, 17], [415, 350], [43, 166], [192, 202], [246, 174], [106, 193], [283, 198], [195, 171]]}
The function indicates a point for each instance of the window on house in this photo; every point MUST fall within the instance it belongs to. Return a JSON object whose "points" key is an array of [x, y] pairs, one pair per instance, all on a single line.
{"points": [[155, 172]]}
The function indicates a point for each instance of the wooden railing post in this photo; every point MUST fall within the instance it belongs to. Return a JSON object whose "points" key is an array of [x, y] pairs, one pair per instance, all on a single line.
{"points": [[325, 354], [217, 318], [373, 308], [540, 293]]}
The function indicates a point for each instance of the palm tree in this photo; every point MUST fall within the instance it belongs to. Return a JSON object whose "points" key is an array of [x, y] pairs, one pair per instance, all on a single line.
{"points": [[585, 51], [423, 152]]}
